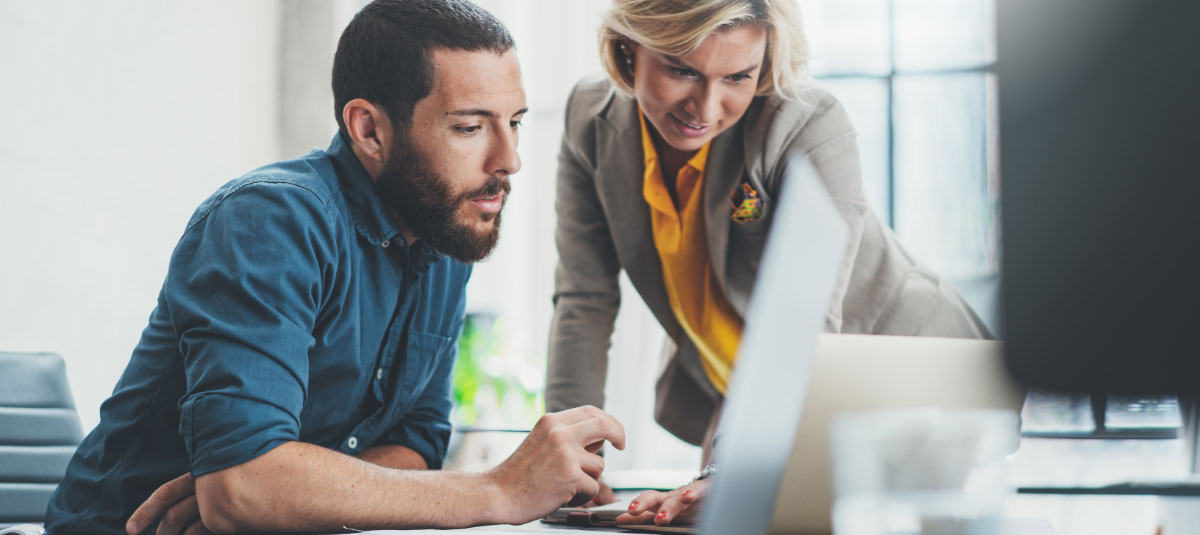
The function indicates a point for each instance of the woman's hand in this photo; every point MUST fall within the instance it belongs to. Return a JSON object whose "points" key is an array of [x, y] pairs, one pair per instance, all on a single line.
{"points": [[680, 506]]}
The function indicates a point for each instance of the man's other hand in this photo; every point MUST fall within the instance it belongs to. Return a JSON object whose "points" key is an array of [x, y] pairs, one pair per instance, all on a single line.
{"points": [[604, 497], [556, 464], [175, 502]]}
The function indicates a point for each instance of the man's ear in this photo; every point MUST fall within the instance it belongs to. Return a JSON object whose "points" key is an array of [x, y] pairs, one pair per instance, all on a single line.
{"points": [[370, 131]]}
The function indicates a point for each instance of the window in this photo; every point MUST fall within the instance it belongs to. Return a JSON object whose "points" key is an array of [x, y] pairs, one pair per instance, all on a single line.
{"points": [[916, 77]]}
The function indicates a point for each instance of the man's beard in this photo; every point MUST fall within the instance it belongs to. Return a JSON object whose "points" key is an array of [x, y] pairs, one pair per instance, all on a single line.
{"points": [[431, 210]]}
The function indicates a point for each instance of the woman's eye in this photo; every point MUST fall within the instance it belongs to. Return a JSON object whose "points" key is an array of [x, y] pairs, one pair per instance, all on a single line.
{"points": [[682, 73], [468, 129], [739, 77], [515, 124]]}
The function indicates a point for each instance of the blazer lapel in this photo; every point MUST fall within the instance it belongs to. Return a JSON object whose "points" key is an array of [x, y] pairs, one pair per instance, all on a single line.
{"points": [[619, 180], [722, 174]]}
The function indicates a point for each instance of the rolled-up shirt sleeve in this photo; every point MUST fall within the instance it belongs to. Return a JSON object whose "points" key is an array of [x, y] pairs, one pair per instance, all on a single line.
{"points": [[244, 289]]}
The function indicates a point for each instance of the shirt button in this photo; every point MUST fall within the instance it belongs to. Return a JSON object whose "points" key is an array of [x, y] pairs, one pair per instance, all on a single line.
{"points": [[386, 243], [352, 442], [379, 374]]}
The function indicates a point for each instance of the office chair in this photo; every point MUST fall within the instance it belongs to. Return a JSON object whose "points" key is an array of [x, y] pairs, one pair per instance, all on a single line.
{"points": [[39, 431]]}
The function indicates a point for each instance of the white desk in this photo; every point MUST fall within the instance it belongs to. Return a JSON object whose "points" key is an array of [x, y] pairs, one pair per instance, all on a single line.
{"points": [[1039, 462], [524, 529], [1093, 462], [1067, 515]]}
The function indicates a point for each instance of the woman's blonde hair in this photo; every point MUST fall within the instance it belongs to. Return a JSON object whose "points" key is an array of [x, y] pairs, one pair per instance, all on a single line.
{"points": [[678, 28]]}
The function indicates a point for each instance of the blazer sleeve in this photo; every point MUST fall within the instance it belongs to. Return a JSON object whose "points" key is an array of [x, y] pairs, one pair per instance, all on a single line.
{"points": [[826, 141], [586, 287]]}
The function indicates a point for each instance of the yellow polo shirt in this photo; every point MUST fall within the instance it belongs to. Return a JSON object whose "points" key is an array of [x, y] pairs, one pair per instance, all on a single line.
{"points": [[696, 298]]}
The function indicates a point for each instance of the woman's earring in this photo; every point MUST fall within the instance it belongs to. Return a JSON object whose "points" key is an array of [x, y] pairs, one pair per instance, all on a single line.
{"points": [[627, 55]]}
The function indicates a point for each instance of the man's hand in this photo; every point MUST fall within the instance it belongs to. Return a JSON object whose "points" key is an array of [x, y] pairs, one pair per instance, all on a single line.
{"points": [[557, 463], [554, 466], [604, 497], [175, 502], [680, 506]]}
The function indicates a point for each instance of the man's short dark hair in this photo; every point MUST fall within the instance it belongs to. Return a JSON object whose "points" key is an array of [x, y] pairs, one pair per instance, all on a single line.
{"points": [[383, 54]]}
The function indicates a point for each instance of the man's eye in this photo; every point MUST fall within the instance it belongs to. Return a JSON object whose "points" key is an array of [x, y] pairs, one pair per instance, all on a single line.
{"points": [[515, 124], [468, 129]]}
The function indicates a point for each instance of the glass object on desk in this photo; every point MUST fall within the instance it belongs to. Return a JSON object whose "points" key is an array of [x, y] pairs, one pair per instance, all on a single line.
{"points": [[921, 471]]}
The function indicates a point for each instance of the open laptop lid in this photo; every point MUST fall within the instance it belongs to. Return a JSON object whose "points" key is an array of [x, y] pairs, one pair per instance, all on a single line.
{"points": [[795, 286], [853, 373]]}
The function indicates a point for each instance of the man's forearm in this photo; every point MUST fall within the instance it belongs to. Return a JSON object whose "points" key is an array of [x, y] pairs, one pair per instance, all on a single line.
{"points": [[301, 487], [394, 456]]}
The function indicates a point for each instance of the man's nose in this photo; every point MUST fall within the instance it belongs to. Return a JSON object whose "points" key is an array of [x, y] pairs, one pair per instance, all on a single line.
{"points": [[504, 159]]}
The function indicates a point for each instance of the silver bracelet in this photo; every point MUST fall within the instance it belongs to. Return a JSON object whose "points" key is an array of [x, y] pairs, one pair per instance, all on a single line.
{"points": [[708, 471]]}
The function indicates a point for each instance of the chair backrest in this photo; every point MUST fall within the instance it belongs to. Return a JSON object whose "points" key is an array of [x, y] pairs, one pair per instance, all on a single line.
{"points": [[39, 431]]}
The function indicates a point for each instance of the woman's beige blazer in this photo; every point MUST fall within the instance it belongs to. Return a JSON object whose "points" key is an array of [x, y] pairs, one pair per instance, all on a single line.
{"points": [[604, 227]]}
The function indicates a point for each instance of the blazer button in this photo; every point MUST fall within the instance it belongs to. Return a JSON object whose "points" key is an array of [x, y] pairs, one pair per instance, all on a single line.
{"points": [[353, 442]]}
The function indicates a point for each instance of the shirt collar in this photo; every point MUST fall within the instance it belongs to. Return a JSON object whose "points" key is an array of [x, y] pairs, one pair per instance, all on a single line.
{"points": [[650, 154], [654, 188], [367, 209]]}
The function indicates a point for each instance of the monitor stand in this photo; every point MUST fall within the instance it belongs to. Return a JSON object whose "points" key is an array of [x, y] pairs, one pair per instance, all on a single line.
{"points": [[1189, 409], [1188, 485]]}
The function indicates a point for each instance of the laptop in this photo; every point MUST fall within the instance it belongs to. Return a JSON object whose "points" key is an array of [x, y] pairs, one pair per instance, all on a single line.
{"points": [[791, 382], [856, 373]]}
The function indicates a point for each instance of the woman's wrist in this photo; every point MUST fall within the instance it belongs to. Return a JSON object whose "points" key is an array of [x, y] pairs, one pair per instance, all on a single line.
{"points": [[707, 472]]}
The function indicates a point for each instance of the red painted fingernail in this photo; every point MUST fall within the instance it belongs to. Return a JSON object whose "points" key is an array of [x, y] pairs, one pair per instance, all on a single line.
{"points": [[687, 493], [662, 514], [633, 505]]}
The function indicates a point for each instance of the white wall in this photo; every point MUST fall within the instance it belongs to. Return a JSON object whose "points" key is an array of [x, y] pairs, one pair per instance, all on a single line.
{"points": [[118, 118]]}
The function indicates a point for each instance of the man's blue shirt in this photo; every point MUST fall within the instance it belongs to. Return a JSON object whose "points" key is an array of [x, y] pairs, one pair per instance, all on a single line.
{"points": [[292, 311]]}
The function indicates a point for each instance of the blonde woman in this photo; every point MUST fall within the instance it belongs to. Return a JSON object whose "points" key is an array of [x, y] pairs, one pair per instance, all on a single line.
{"points": [[669, 169]]}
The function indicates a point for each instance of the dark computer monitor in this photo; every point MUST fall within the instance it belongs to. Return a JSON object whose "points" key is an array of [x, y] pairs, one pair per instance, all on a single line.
{"points": [[1100, 173]]}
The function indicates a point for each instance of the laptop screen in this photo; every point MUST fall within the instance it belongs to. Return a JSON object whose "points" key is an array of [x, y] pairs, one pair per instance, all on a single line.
{"points": [[766, 394]]}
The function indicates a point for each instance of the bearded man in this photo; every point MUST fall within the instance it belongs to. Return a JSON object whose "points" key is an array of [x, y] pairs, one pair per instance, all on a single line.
{"points": [[296, 369]]}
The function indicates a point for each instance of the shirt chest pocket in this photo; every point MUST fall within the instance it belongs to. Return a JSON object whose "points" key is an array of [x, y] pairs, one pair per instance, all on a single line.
{"points": [[424, 354]]}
